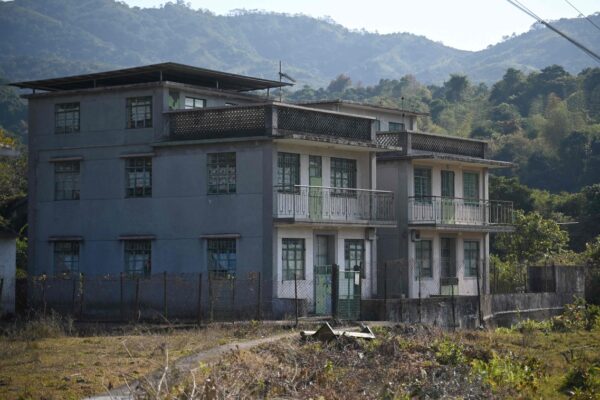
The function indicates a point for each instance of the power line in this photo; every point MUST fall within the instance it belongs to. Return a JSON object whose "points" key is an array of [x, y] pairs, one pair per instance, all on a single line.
{"points": [[583, 15], [533, 15]]}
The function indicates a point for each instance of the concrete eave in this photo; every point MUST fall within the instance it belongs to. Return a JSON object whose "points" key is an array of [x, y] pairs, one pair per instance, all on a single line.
{"points": [[447, 159], [462, 228]]}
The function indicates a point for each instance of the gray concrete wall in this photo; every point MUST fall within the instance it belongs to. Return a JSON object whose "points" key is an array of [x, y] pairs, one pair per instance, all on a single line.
{"points": [[8, 254], [179, 212]]}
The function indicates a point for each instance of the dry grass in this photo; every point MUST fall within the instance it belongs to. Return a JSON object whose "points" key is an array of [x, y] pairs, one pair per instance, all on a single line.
{"points": [[41, 361]]}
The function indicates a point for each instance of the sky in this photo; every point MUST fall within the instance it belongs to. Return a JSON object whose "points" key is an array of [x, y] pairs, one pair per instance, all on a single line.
{"points": [[463, 24]]}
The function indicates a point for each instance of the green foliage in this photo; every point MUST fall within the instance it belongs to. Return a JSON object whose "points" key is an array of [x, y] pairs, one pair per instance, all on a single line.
{"points": [[508, 371], [533, 239], [448, 352], [582, 381]]}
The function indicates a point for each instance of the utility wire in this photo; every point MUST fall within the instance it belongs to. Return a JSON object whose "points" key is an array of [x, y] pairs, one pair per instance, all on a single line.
{"points": [[533, 15], [583, 15]]}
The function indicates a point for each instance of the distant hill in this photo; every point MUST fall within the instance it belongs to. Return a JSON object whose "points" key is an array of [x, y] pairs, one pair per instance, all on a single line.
{"points": [[56, 37]]}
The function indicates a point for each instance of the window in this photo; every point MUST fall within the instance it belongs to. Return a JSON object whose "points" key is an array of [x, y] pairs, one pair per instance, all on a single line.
{"points": [[422, 182], [395, 127], [66, 257], [221, 173], [174, 100], [423, 258], [292, 256], [139, 112], [138, 257], [139, 177], [354, 253], [66, 118], [222, 258], [343, 176], [193, 102], [66, 180], [377, 125], [471, 256], [288, 172], [471, 186], [447, 183]]}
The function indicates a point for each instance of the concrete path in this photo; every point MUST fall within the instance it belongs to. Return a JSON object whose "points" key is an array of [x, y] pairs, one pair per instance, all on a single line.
{"points": [[187, 363]]}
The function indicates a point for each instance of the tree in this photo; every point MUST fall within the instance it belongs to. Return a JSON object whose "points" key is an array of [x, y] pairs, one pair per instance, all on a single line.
{"points": [[339, 84], [509, 189], [510, 87], [456, 87], [534, 238]]}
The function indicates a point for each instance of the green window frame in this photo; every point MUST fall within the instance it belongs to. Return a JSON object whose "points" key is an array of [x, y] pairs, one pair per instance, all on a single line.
{"points": [[222, 257], [471, 186], [139, 112], [66, 118], [293, 254], [138, 257], [288, 172], [66, 257], [422, 184], [396, 127], [66, 180], [343, 176], [221, 169], [471, 257], [194, 102], [138, 175], [423, 258], [447, 184], [354, 255]]}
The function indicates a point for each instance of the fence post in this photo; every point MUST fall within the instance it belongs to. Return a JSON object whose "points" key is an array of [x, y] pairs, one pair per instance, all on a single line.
{"points": [[44, 294], [385, 264], [121, 305], [1, 289], [259, 300], [453, 310], [81, 294], [479, 311], [334, 290], [199, 298], [418, 268], [137, 298], [165, 295], [211, 298], [73, 293], [296, 294]]}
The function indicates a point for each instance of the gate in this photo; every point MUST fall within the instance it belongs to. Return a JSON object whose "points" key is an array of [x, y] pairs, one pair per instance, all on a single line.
{"points": [[323, 284], [349, 295]]}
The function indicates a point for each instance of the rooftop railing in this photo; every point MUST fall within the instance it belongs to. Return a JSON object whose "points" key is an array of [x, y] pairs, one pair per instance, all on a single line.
{"points": [[300, 203], [270, 119]]}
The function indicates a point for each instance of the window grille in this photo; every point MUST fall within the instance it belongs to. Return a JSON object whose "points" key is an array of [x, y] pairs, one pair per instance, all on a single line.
{"points": [[293, 255], [66, 118], [343, 176], [471, 256], [139, 112], [222, 257], [66, 257], [193, 102], [139, 177], [221, 173], [138, 257], [354, 251], [471, 185], [66, 180], [288, 172], [423, 258]]}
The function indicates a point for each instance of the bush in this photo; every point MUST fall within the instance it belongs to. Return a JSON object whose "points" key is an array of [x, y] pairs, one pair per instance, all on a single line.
{"points": [[448, 352], [508, 371], [582, 381], [42, 327]]}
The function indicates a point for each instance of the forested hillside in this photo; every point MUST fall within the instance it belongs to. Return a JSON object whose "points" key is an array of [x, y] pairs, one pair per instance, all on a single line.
{"points": [[55, 37]]}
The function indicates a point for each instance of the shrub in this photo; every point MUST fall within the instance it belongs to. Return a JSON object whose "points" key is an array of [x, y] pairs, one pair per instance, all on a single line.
{"points": [[508, 371], [582, 381], [448, 352]]}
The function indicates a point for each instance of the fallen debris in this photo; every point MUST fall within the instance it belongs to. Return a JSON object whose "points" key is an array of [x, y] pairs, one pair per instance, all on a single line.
{"points": [[326, 333]]}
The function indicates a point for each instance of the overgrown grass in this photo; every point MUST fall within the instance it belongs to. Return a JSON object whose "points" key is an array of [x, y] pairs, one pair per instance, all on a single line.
{"points": [[49, 358]]}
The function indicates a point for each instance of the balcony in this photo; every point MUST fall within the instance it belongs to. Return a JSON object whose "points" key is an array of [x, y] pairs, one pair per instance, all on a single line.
{"points": [[451, 211], [318, 204], [267, 119]]}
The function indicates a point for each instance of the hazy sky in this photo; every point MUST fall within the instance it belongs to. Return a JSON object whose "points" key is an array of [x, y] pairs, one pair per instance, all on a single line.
{"points": [[464, 24]]}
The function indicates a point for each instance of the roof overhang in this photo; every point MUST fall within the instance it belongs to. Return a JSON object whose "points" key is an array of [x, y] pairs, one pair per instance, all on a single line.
{"points": [[463, 228], [361, 106], [168, 71]]}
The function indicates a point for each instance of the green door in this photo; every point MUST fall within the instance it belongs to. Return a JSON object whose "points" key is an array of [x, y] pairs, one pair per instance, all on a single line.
{"points": [[315, 194], [448, 281], [447, 201], [323, 261]]}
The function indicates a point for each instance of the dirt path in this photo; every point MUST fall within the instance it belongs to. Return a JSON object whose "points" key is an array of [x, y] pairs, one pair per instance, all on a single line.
{"points": [[184, 364]]}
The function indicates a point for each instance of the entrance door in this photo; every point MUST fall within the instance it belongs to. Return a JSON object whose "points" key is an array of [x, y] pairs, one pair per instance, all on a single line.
{"points": [[323, 261], [447, 197], [448, 280], [315, 194]]}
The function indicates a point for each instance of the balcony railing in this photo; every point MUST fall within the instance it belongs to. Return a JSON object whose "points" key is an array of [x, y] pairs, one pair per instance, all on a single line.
{"points": [[269, 119], [456, 211], [302, 203]]}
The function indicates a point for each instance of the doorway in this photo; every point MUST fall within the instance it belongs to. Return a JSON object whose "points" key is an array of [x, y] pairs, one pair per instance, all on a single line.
{"points": [[448, 279], [315, 192], [324, 251]]}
